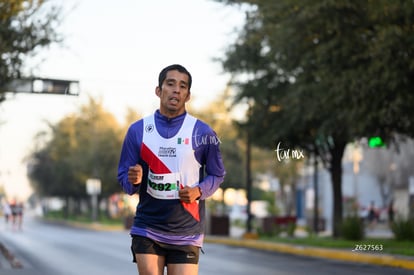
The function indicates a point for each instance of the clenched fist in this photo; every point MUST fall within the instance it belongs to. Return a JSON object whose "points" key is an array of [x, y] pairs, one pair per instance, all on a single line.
{"points": [[189, 194], [135, 174]]}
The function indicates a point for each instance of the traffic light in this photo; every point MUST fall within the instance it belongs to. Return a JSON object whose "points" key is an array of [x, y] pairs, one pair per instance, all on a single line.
{"points": [[376, 142], [44, 86], [55, 86]]}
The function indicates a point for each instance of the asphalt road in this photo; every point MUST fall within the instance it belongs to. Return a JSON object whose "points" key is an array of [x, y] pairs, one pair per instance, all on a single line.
{"points": [[60, 250]]}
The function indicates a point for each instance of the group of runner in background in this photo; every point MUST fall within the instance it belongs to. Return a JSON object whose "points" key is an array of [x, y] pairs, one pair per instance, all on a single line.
{"points": [[13, 214]]}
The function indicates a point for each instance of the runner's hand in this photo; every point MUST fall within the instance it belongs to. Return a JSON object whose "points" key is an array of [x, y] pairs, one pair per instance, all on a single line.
{"points": [[135, 174], [189, 194]]}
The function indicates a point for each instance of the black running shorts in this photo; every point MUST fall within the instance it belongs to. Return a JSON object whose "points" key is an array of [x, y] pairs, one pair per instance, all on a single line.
{"points": [[174, 254]]}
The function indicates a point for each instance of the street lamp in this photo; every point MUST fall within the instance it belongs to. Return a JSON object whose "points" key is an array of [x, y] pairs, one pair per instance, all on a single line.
{"points": [[246, 128], [248, 180], [248, 168]]}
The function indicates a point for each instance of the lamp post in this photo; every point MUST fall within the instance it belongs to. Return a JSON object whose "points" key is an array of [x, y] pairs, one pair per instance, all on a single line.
{"points": [[316, 195], [245, 127], [248, 169], [248, 181]]}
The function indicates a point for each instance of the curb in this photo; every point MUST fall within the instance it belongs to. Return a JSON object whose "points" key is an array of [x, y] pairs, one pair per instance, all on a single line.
{"points": [[334, 254], [90, 226], [308, 251]]}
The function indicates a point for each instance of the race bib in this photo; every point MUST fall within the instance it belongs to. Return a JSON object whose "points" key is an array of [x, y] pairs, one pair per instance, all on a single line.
{"points": [[163, 186]]}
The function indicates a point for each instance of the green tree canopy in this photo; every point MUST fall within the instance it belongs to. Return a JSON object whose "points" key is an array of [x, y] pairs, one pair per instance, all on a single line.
{"points": [[81, 146], [324, 73], [218, 117], [26, 26]]}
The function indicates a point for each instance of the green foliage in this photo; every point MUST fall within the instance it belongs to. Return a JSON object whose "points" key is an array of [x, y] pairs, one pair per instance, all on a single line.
{"points": [[231, 146], [291, 227], [59, 215], [279, 229], [274, 231], [80, 147], [403, 229], [271, 228], [353, 228], [25, 27], [321, 74]]}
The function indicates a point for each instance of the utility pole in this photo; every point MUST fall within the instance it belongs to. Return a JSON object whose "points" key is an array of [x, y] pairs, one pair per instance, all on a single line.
{"points": [[248, 182], [315, 197], [247, 128]]}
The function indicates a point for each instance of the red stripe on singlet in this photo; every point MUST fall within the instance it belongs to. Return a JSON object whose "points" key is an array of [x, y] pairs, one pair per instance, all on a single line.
{"points": [[158, 167]]}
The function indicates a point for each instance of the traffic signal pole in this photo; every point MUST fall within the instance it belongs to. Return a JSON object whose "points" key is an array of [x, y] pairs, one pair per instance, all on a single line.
{"points": [[39, 85]]}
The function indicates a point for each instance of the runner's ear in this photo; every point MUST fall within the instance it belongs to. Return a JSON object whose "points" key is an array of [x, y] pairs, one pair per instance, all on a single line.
{"points": [[188, 96], [158, 91]]}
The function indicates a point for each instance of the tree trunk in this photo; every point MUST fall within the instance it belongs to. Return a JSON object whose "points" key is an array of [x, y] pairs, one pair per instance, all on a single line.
{"points": [[336, 177], [66, 208]]}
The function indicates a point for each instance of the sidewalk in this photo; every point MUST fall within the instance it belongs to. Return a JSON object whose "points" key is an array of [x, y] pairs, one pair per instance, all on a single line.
{"points": [[333, 254], [376, 258]]}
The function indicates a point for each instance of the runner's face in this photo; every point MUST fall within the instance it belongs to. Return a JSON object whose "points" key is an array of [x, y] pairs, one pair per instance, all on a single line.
{"points": [[173, 94]]}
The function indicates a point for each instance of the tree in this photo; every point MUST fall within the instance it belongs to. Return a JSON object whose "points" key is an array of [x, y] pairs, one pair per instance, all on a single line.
{"points": [[80, 146], [322, 74], [26, 26], [218, 117]]}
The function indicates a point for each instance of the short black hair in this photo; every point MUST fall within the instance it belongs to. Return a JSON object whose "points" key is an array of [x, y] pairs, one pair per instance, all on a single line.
{"points": [[178, 67]]}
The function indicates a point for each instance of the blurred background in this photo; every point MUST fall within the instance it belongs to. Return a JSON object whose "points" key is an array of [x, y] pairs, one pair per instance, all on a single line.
{"points": [[312, 102]]}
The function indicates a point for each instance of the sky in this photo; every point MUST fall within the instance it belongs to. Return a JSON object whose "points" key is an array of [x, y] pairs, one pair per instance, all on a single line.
{"points": [[116, 50]]}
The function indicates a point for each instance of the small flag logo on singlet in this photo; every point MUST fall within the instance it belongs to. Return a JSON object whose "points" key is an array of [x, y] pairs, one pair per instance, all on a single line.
{"points": [[183, 141]]}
